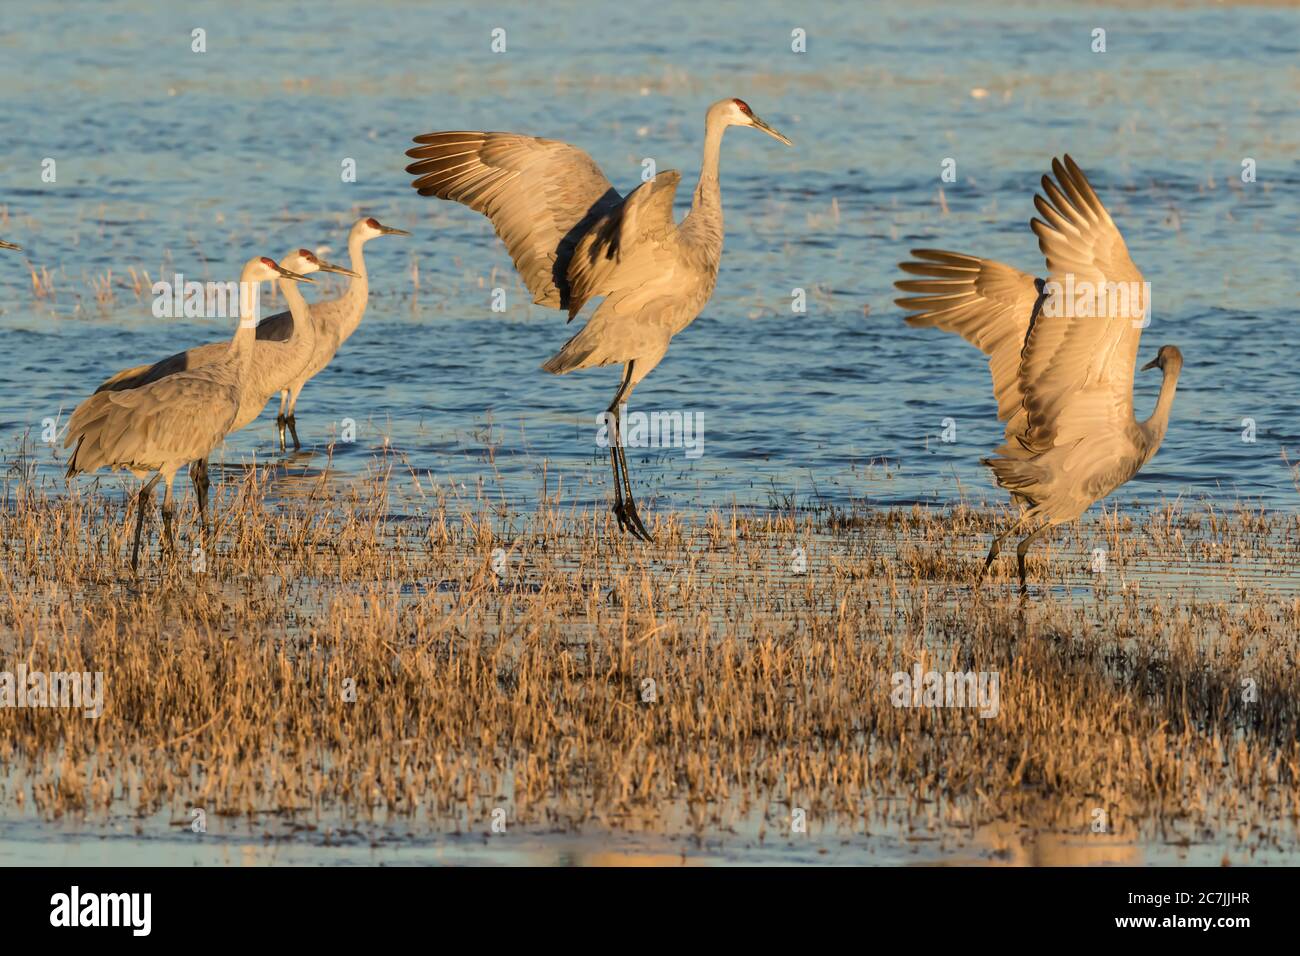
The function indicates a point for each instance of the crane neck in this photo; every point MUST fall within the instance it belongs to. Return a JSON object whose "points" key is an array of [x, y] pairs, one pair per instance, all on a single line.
{"points": [[1155, 427], [358, 291], [304, 330], [701, 230], [360, 286], [706, 209], [241, 346]]}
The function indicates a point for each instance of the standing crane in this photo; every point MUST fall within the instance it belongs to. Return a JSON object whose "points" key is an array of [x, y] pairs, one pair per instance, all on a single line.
{"points": [[335, 321], [574, 239], [280, 353], [1061, 352], [158, 427]]}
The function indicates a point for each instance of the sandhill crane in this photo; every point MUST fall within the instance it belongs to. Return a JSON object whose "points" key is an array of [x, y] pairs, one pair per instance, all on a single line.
{"points": [[1061, 352], [162, 425], [573, 239], [10, 245], [335, 321], [280, 354]]}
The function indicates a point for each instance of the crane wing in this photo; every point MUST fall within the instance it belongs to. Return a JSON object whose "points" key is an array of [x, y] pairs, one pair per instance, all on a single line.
{"points": [[988, 304], [163, 368], [541, 195], [181, 416], [276, 328], [1076, 373], [631, 240]]}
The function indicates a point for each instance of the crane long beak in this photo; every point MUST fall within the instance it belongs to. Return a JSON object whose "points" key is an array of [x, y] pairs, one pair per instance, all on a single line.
{"points": [[390, 231], [10, 245], [330, 267], [292, 275], [1154, 363], [771, 132]]}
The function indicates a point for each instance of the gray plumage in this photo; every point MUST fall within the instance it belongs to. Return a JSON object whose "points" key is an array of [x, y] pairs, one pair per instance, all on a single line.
{"points": [[163, 425], [281, 351], [573, 239], [541, 195], [1062, 368], [334, 319], [278, 366]]}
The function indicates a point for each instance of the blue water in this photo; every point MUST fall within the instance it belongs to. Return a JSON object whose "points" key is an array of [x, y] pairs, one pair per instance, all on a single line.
{"points": [[170, 160]]}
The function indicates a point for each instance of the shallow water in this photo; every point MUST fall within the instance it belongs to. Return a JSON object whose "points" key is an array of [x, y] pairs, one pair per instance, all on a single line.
{"points": [[171, 161], [163, 841]]}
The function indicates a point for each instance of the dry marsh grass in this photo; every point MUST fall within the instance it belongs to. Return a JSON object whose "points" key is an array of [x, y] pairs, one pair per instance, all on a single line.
{"points": [[527, 689]]}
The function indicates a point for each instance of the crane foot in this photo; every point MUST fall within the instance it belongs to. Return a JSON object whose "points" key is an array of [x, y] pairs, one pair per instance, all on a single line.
{"points": [[630, 521]]}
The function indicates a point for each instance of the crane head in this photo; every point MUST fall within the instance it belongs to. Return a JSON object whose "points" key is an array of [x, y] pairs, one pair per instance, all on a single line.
{"points": [[371, 228], [265, 269], [305, 262], [256, 271], [1168, 359], [736, 112]]}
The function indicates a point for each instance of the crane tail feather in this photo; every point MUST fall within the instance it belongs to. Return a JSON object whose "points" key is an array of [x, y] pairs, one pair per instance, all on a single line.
{"points": [[1016, 475]]}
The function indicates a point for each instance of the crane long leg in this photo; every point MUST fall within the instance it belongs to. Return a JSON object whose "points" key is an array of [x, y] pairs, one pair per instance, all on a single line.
{"points": [[997, 546], [1023, 547], [618, 484], [624, 505], [141, 502], [199, 476], [629, 504], [617, 465], [289, 408], [280, 416], [168, 517]]}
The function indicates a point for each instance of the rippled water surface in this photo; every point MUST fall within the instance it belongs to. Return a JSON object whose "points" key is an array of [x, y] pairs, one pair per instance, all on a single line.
{"points": [[170, 160]]}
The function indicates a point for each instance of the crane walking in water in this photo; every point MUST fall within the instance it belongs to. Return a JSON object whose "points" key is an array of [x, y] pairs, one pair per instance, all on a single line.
{"points": [[335, 321], [574, 239], [281, 352], [1061, 352], [162, 425]]}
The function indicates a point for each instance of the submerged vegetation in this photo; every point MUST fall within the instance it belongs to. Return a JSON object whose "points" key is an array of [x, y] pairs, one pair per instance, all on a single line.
{"points": [[370, 652]]}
